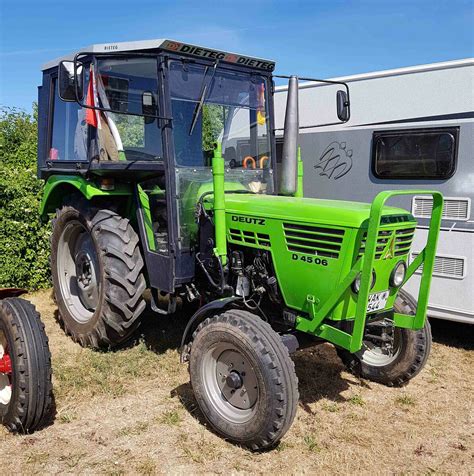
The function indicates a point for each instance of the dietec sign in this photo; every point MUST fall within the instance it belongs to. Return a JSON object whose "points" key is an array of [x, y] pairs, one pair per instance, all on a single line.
{"points": [[220, 55]]}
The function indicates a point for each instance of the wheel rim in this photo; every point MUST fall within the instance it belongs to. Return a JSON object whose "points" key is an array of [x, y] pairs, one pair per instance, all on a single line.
{"points": [[378, 353], [6, 371], [230, 382], [78, 271]]}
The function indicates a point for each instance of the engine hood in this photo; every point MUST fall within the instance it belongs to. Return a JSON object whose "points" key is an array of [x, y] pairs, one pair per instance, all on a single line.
{"points": [[307, 210]]}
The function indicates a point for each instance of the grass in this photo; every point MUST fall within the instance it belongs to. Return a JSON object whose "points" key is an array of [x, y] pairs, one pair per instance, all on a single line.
{"points": [[171, 418], [405, 400], [357, 400], [134, 430], [146, 467], [132, 411], [282, 446], [189, 450], [86, 372], [331, 407], [37, 458], [311, 443], [66, 416], [72, 460]]}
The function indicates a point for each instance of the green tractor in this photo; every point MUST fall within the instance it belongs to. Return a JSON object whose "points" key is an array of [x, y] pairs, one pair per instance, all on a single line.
{"points": [[159, 161]]}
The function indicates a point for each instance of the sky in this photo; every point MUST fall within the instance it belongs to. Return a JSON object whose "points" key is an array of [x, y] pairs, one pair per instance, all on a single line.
{"points": [[310, 38]]}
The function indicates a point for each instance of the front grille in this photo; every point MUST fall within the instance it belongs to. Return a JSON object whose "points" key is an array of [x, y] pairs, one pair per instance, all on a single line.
{"points": [[313, 240], [446, 266], [453, 208], [391, 219], [402, 239], [249, 237]]}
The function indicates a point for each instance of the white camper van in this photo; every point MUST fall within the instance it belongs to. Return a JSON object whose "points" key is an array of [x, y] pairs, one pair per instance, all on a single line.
{"points": [[409, 128]]}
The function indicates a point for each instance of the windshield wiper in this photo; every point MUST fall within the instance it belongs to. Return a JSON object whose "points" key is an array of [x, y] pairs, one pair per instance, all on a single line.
{"points": [[202, 96]]}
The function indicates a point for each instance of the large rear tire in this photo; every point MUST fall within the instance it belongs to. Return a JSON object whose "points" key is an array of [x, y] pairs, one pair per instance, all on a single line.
{"points": [[96, 266], [406, 358], [244, 379], [25, 368]]}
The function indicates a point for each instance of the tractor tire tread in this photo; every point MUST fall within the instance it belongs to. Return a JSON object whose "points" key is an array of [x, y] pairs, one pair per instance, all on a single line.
{"points": [[32, 399], [124, 283], [422, 347], [268, 344]]}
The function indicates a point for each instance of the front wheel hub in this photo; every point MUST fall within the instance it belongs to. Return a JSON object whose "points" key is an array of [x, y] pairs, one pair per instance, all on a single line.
{"points": [[83, 270], [381, 345], [78, 271], [234, 380]]}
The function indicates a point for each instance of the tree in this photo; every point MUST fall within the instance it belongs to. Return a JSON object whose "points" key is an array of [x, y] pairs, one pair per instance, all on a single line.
{"points": [[24, 240]]}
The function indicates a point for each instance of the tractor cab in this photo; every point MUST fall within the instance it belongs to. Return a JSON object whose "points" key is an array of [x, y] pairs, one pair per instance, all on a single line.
{"points": [[150, 112], [111, 110]]}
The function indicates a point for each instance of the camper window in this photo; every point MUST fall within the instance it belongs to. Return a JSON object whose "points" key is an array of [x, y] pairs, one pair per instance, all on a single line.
{"points": [[415, 154]]}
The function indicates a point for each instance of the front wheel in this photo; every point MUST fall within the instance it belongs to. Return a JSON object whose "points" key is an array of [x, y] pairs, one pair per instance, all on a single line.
{"points": [[25, 368], [391, 355], [243, 379]]}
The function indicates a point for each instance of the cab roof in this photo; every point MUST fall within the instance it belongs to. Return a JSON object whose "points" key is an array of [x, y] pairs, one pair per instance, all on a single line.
{"points": [[172, 46]]}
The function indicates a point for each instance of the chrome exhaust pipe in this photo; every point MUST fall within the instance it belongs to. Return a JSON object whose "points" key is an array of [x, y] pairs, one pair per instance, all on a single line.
{"points": [[289, 169]]}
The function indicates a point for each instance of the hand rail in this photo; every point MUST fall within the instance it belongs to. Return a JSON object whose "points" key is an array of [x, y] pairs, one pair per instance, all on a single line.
{"points": [[427, 258]]}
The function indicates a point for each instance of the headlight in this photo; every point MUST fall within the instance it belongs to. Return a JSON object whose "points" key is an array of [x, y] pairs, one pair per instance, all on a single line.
{"points": [[356, 283], [398, 274]]}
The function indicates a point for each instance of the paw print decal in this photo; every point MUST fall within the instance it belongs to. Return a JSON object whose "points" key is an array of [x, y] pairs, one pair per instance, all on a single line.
{"points": [[335, 161]]}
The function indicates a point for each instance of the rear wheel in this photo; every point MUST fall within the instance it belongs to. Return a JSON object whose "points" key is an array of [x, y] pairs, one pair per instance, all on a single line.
{"points": [[243, 379], [391, 355], [97, 274], [25, 368]]}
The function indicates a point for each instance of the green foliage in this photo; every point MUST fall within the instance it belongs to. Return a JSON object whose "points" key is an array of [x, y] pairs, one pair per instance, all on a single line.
{"points": [[131, 129], [212, 124], [24, 241]]}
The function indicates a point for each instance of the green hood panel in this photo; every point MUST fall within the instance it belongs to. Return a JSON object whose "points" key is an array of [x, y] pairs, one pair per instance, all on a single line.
{"points": [[307, 210]]}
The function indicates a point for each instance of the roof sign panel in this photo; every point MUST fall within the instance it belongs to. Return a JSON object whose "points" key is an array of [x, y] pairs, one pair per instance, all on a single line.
{"points": [[176, 47]]}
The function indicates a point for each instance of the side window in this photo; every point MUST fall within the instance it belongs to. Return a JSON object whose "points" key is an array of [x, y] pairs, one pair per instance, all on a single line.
{"points": [[415, 154], [68, 130], [129, 87]]}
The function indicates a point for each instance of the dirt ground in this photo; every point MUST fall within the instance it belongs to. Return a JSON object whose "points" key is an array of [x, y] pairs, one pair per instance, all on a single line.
{"points": [[132, 411]]}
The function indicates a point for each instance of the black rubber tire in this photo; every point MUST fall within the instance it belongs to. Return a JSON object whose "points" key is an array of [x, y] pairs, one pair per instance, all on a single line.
{"points": [[414, 352], [30, 407], [275, 371], [121, 279]]}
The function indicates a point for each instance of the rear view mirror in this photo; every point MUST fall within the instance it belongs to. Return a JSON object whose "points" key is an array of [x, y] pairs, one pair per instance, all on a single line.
{"points": [[148, 107], [70, 80], [343, 106]]}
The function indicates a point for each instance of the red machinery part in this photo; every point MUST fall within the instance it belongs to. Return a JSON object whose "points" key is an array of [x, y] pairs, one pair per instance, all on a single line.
{"points": [[5, 365]]}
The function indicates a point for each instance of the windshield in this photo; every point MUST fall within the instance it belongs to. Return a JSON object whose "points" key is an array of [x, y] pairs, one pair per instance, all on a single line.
{"points": [[233, 112], [214, 104]]}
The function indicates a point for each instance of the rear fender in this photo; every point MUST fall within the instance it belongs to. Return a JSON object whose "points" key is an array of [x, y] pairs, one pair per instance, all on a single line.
{"points": [[57, 186]]}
